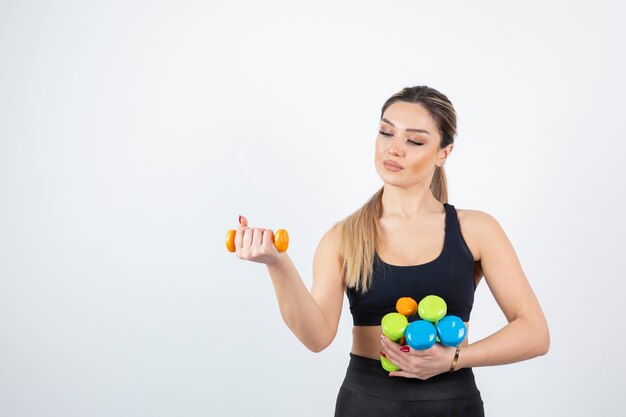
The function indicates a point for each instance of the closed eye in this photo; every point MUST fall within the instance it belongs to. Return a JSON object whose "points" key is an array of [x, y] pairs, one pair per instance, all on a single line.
{"points": [[408, 140]]}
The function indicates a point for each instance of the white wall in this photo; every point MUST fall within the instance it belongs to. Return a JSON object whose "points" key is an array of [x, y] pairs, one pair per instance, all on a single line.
{"points": [[132, 134]]}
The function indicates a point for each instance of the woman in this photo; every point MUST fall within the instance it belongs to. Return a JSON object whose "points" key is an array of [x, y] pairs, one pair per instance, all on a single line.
{"points": [[407, 240]]}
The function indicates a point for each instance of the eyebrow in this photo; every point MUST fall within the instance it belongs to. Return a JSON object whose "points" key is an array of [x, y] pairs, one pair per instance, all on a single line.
{"points": [[408, 130]]}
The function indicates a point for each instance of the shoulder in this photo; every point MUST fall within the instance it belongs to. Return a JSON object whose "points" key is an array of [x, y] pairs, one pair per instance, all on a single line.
{"points": [[479, 228], [474, 217], [332, 238]]}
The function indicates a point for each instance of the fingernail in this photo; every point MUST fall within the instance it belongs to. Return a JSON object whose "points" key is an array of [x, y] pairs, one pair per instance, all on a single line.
{"points": [[383, 354], [405, 348], [240, 219]]}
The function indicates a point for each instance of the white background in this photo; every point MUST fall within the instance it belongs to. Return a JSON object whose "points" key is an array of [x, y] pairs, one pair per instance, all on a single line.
{"points": [[132, 134]]}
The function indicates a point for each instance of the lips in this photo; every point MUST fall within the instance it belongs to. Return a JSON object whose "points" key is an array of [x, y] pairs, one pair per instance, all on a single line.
{"points": [[392, 163]]}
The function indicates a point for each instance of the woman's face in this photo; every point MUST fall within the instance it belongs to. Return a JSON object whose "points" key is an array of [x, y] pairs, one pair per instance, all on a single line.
{"points": [[408, 136]]}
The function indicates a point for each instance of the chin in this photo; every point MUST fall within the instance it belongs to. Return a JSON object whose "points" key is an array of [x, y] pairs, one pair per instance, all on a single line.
{"points": [[391, 181]]}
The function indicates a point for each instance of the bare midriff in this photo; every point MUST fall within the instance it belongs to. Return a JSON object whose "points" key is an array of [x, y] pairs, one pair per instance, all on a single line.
{"points": [[366, 340]]}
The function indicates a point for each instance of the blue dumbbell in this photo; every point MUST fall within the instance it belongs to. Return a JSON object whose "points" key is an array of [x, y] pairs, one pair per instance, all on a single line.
{"points": [[451, 330], [420, 335]]}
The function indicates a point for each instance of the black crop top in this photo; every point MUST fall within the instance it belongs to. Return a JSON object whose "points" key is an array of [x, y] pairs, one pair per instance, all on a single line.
{"points": [[450, 276]]}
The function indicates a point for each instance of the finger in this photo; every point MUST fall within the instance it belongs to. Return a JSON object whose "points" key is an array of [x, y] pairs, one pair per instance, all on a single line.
{"points": [[396, 359], [390, 344], [393, 353], [423, 353], [240, 234], [238, 241], [257, 239], [247, 239], [268, 238]]}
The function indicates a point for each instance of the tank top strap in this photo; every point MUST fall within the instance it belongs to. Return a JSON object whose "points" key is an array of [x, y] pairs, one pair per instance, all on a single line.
{"points": [[451, 219], [454, 237], [451, 223]]}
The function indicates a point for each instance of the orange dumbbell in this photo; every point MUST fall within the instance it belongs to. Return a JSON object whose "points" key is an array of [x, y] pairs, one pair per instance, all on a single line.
{"points": [[281, 240], [407, 307]]}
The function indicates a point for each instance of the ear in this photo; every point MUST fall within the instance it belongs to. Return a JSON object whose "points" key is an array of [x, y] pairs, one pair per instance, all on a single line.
{"points": [[445, 153]]}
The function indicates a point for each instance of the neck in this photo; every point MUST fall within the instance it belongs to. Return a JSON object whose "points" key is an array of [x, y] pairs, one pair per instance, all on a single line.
{"points": [[409, 203]]}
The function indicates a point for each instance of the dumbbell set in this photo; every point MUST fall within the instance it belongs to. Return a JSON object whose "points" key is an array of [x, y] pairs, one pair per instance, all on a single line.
{"points": [[434, 327]]}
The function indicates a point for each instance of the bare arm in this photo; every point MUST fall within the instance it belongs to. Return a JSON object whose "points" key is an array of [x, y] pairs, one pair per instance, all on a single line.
{"points": [[312, 316], [526, 335]]}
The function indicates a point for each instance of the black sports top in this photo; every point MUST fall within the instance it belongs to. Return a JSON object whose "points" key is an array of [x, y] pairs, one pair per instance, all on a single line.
{"points": [[450, 276]]}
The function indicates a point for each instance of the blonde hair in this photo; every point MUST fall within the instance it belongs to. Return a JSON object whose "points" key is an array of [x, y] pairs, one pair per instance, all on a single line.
{"points": [[359, 232]]}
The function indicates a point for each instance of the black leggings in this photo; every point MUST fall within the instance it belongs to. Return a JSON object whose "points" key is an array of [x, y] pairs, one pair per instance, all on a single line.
{"points": [[368, 391]]}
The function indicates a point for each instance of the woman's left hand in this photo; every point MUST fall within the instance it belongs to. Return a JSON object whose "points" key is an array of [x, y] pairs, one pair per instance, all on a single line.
{"points": [[421, 364]]}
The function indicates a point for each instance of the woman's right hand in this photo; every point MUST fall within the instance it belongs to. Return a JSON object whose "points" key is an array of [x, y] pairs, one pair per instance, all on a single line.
{"points": [[255, 244]]}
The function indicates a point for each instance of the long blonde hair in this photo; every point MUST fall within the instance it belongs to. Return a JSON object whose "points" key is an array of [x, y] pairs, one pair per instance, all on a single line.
{"points": [[360, 232]]}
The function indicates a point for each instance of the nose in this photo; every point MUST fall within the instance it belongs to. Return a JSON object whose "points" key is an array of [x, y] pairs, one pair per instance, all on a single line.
{"points": [[394, 147]]}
